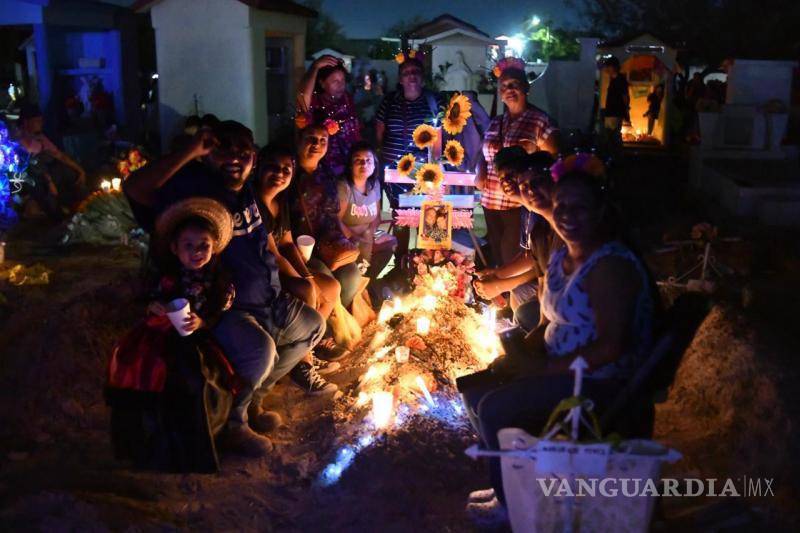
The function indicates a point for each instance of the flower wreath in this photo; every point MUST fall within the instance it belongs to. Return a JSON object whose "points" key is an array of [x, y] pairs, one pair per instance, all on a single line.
{"points": [[506, 63], [401, 56]]}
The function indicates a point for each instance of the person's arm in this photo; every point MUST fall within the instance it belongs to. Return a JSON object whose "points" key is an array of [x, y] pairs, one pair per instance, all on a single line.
{"points": [[284, 267], [489, 288], [53, 150], [141, 186], [310, 79], [480, 175], [380, 131], [613, 297], [289, 251], [342, 212]]}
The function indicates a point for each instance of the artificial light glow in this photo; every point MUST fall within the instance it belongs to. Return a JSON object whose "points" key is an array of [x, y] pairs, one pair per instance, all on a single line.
{"points": [[536, 21], [423, 325], [425, 391], [382, 407], [116, 184], [429, 302], [105, 185], [516, 45]]}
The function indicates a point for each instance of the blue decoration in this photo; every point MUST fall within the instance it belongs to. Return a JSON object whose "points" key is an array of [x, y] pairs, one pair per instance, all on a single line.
{"points": [[13, 163]]}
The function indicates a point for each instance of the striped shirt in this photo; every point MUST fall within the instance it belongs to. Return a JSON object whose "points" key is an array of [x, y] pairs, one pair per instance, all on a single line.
{"points": [[533, 124], [401, 117]]}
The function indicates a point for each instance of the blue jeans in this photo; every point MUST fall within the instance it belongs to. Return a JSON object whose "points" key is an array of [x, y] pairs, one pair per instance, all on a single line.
{"points": [[525, 304], [524, 403], [348, 277], [263, 345]]}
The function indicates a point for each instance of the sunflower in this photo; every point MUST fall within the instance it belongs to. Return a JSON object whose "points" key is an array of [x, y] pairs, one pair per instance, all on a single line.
{"points": [[455, 118], [454, 153], [425, 135], [406, 164], [429, 177]]}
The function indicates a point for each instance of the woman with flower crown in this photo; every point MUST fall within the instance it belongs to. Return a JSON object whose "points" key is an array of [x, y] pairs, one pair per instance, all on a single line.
{"points": [[521, 124], [324, 97]]}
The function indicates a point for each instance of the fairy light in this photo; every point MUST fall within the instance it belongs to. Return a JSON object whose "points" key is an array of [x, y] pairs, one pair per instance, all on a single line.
{"points": [[429, 302]]}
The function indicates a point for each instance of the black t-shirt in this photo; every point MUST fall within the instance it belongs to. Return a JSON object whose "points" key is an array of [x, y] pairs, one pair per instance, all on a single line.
{"points": [[247, 258], [615, 98]]}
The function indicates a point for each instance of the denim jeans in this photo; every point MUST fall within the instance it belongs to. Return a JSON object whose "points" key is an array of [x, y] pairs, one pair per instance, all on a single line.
{"points": [[348, 276], [525, 403], [263, 345], [525, 304]]}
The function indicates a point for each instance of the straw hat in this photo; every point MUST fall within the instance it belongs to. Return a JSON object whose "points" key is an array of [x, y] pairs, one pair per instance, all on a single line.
{"points": [[207, 208]]}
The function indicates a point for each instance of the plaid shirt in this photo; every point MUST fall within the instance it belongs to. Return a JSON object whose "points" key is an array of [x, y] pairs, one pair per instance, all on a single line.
{"points": [[533, 124]]}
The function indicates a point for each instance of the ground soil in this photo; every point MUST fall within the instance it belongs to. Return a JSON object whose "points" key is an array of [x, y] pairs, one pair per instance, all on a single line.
{"points": [[733, 411]]}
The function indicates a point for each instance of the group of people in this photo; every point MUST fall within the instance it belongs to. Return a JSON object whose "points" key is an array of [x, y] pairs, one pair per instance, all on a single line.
{"points": [[226, 218]]}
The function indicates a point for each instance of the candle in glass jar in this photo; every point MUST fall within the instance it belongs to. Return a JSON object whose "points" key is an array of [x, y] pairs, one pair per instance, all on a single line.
{"points": [[116, 184], [401, 354], [423, 325], [105, 185]]}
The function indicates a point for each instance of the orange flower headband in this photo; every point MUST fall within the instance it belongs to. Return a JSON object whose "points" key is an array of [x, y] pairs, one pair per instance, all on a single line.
{"points": [[506, 63], [401, 57]]}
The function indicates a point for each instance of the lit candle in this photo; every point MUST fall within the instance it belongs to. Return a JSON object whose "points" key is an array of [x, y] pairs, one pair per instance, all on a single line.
{"points": [[386, 312], [116, 184], [438, 286], [401, 354], [425, 392], [429, 302], [105, 185], [382, 404], [423, 325]]}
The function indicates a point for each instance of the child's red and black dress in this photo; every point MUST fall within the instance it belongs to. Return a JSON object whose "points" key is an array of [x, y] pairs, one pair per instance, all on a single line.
{"points": [[170, 395]]}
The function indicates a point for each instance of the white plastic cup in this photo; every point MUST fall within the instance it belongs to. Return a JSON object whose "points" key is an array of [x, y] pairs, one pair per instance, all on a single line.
{"points": [[401, 354], [177, 312], [305, 243]]}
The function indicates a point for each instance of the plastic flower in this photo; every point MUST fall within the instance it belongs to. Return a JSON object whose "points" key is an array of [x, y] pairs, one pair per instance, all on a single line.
{"points": [[429, 177], [457, 114], [454, 153], [134, 156], [124, 168], [400, 58], [406, 164], [331, 126], [412, 54], [301, 121], [496, 71], [425, 135]]}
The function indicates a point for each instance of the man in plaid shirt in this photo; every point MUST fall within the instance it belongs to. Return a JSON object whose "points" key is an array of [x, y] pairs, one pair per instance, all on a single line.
{"points": [[521, 124]]}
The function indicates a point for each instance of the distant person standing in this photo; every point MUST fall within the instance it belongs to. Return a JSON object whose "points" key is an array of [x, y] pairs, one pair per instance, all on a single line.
{"points": [[59, 182], [654, 100], [618, 101], [398, 116]]}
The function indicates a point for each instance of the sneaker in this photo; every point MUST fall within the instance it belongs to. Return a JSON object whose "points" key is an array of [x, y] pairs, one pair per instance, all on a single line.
{"points": [[307, 377], [324, 367], [241, 440], [328, 350], [490, 514], [481, 495], [263, 421]]}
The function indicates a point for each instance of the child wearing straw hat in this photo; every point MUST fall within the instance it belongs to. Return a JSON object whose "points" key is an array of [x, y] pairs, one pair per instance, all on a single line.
{"points": [[190, 235], [170, 386]]}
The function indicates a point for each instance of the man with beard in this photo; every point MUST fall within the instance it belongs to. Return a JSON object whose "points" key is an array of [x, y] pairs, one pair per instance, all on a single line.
{"points": [[267, 331]]}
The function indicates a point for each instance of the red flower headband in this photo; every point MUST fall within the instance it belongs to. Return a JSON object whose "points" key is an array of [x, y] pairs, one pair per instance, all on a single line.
{"points": [[304, 120], [506, 63]]}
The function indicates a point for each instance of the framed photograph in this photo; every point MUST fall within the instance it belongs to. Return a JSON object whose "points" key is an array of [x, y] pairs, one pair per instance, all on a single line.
{"points": [[435, 226]]}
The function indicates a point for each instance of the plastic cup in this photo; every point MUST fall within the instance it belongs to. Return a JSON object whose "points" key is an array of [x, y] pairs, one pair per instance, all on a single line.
{"points": [[177, 312], [306, 245], [401, 354]]}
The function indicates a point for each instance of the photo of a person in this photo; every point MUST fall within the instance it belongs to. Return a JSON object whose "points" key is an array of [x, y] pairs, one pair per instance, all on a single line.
{"points": [[435, 226]]}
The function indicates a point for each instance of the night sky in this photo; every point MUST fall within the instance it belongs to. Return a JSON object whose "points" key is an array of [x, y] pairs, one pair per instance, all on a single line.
{"points": [[369, 18]]}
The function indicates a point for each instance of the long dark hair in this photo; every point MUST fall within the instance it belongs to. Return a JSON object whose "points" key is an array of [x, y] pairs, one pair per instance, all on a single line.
{"points": [[374, 179], [274, 151], [324, 72]]}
